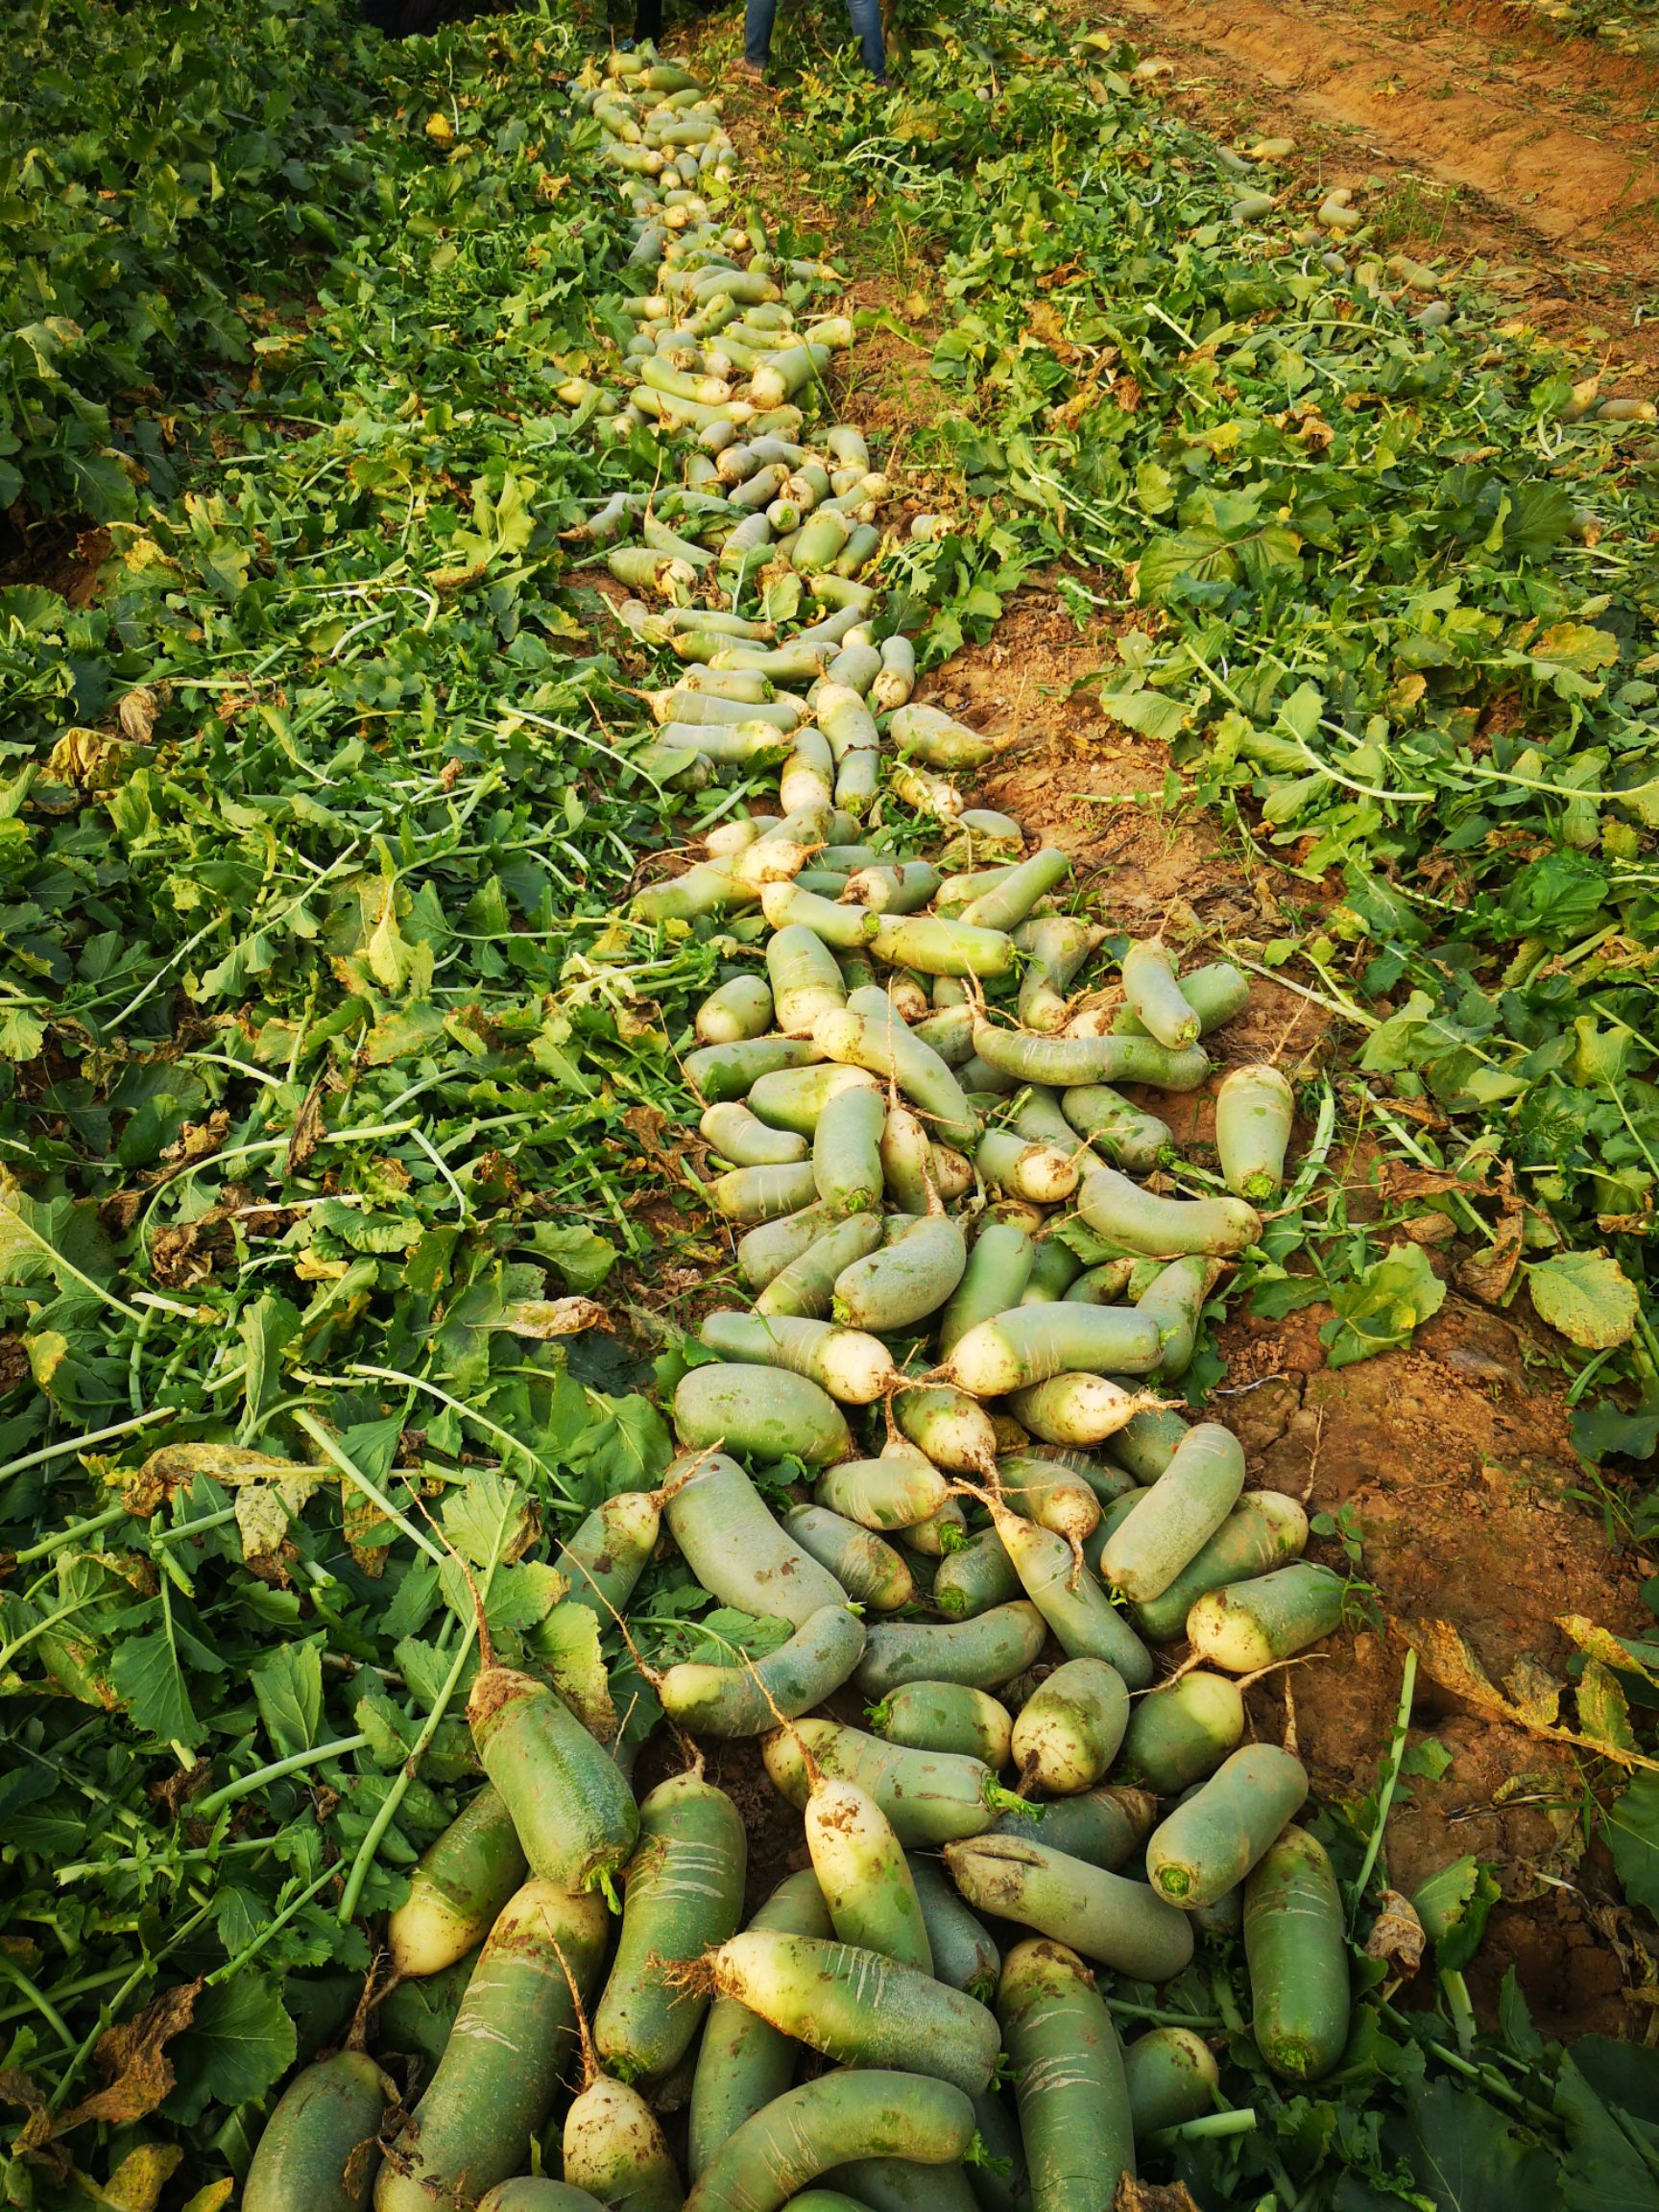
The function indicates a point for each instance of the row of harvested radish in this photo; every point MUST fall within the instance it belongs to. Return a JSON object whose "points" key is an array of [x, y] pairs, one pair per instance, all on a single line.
{"points": [[938, 1447]]}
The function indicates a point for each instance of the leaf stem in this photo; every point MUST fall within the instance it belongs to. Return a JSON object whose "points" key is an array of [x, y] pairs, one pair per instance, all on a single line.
{"points": [[73, 1444], [1390, 1776], [204, 1807]]}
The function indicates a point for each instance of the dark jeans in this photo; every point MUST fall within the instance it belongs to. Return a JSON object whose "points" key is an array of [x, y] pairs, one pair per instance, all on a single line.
{"points": [[759, 16]]}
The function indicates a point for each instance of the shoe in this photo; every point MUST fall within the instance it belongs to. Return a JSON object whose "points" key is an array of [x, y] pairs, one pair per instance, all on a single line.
{"points": [[752, 71]]}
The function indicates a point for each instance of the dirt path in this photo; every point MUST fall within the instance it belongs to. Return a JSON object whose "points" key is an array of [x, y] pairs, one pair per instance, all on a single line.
{"points": [[1494, 136]]}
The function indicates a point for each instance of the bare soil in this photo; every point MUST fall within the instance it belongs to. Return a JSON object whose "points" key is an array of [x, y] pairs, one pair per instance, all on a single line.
{"points": [[1471, 131]]}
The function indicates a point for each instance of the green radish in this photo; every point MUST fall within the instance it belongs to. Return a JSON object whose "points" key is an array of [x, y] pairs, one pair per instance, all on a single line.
{"points": [[735, 1548], [872, 1572], [762, 1412], [684, 1893], [897, 677], [320, 2150], [940, 946], [859, 2008], [853, 1368], [743, 2063], [903, 2185], [1224, 1920], [1264, 1530], [937, 740], [1044, 1174], [1069, 2082], [846, 1152], [459, 1885], [739, 1009], [1111, 1515], [1126, 1134], [1108, 1483], [805, 981], [1058, 944], [1054, 1269], [794, 1098], [1148, 1442], [1036, 1116], [906, 1161], [1172, 2077], [1070, 1728], [929, 1796], [931, 1539], [1213, 1838], [1175, 1299], [806, 778], [975, 1576], [1215, 994], [786, 906], [416, 2017], [868, 1033], [1084, 1622], [1103, 1827], [945, 1717], [949, 1032], [1027, 1344], [614, 2149], [982, 1084], [899, 888], [1139, 1220], [957, 891], [1154, 996], [1255, 1109], [1297, 1953], [994, 1279], [721, 1071], [1119, 1923], [1065, 1063], [1040, 1490], [749, 1700], [862, 1872], [573, 1813], [892, 1492], [1179, 1732], [965, 1956], [534, 2193], [1246, 1626], [904, 1282], [1074, 1408], [1011, 900], [871, 2112], [804, 1287], [495, 2083], [751, 1195], [948, 1428], [991, 1648], [1168, 1524], [737, 1135], [1001, 2183]]}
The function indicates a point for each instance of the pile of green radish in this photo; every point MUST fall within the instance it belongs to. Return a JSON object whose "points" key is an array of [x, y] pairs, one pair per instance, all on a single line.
{"points": [[1025, 1594]]}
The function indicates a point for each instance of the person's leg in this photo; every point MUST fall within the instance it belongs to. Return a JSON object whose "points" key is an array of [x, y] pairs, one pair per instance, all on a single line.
{"points": [[866, 17], [758, 17], [647, 20]]}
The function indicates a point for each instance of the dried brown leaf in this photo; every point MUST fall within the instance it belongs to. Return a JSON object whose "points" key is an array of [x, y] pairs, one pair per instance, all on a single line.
{"points": [[1397, 1933], [133, 2057]]}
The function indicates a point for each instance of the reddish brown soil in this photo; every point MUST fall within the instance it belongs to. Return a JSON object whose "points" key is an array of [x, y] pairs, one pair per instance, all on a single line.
{"points": [[1471, 131]]}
